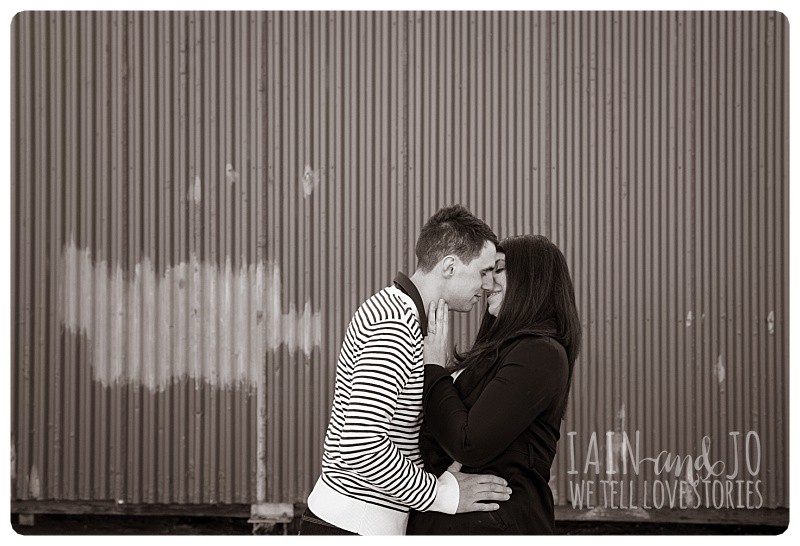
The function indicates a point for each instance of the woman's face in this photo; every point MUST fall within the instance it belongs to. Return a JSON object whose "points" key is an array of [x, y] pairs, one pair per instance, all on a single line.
{"points": [[495, 298]]}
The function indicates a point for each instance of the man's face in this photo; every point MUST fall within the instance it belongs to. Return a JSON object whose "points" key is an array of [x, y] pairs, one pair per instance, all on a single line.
{"points": [[469, 281]]}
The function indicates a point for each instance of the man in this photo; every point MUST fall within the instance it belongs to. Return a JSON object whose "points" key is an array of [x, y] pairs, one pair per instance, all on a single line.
{"points": [[371, 468]]}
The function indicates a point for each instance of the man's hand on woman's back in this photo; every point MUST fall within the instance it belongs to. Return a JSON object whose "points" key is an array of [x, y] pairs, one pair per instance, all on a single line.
{"points": [[475, 488]]}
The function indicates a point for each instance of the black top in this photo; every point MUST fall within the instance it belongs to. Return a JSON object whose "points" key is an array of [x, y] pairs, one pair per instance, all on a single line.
{"points": [[505, 422]]}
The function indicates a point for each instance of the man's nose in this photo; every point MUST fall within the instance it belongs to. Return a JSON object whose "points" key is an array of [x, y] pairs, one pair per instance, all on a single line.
{"points": [[488, 283]]}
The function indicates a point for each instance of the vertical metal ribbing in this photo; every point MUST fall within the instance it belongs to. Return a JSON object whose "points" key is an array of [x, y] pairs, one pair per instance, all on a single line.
{"points": [[21, 393], [651, 147], [15, 248]]}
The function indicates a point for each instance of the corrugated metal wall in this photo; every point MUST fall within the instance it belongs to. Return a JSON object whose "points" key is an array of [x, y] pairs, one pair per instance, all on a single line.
{"points": [[201, 200], [670, 161], [140, 269]]}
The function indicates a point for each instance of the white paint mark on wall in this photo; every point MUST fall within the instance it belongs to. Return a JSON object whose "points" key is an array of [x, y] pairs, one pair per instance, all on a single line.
{"points": [[195, 191], [230, 174], [13, 458], [617, 445], [689, 319], [688, 494], [771, 323], [139, 330], [719, 370], [34, 483], [310, 180]]}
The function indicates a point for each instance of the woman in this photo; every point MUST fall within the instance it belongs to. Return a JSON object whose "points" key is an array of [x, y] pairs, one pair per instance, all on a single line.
{"points": [[502, 414]]}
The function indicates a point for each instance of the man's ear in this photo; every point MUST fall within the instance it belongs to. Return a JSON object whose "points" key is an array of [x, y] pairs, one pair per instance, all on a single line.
{"points": [[448, 266]]}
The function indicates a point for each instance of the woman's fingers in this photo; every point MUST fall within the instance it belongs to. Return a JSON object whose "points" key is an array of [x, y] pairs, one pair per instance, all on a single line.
{"points": [[438, 319]]}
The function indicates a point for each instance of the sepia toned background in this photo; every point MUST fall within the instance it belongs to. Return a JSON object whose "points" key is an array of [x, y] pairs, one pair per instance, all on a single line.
{"points": [[201, 200]]}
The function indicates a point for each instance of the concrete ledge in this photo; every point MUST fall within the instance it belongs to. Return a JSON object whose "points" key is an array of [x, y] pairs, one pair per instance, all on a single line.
{"points": [[285, 512], [271, 512], [124, 509]]}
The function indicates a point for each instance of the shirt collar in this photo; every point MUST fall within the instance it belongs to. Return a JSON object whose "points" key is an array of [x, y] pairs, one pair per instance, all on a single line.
{"points": [[404, 284]]}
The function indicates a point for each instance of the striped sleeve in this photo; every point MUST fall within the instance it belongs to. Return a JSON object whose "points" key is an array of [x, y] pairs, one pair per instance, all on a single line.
{"points": [[381, 370]]}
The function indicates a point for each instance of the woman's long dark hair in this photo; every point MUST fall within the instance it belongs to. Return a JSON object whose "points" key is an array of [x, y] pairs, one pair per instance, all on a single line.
{"points": [[539, 300]]}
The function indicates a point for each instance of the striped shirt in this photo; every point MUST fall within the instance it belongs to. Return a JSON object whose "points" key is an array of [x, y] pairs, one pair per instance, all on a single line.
{"points": [[371, 467]]}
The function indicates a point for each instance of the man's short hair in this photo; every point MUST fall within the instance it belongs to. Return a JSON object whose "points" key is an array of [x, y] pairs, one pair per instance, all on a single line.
{"points": [[452, 230]]}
